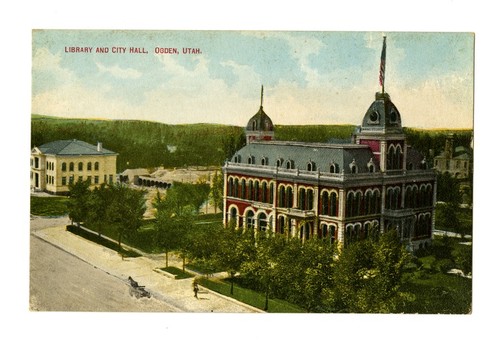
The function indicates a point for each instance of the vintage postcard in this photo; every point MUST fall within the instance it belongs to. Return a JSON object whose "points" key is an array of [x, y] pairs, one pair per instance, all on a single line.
{"points": [[251, 171]]}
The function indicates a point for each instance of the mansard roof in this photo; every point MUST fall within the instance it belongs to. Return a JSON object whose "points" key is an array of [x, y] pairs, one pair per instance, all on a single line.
{"points": [[260, 122], [322, 155], [382, 116], [72, 147]]}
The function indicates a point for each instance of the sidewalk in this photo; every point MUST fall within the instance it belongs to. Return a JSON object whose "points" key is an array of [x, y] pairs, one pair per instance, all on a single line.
{"points": [[177, 293]]}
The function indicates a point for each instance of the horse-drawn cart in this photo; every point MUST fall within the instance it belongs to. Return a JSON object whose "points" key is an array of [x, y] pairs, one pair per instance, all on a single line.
{"points": [[137, 290]]}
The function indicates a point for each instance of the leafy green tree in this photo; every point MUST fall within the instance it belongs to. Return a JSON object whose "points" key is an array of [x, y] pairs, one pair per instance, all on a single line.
{"points": [[216, 191], [96, 213], [124, 209], [463, 258], [368, 276], [175, 217], [78, 203], [262, 266], [448, 189], [235, 247]]}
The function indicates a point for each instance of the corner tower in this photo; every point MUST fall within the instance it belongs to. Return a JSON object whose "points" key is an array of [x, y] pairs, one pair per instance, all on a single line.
{"points": [[260, 127], [382, 130]]}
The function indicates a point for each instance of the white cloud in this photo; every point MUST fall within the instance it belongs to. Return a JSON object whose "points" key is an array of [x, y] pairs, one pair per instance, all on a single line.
{"points": [[118, 72]]}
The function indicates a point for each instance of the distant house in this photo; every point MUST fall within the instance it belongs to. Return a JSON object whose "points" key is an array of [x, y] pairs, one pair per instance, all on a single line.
{"points": [[55, 165], [454, 160]]}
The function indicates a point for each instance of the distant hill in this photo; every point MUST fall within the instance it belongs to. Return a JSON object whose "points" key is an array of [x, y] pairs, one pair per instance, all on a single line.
{"points": [[145, 144]]}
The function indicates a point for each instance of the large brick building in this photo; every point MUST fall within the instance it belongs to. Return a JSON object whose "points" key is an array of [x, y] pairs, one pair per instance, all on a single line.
{"points": [[57, 164], [341, 192]]}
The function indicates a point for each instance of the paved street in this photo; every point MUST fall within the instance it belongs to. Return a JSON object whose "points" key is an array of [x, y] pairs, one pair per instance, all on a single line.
{"points": [[69, 273]]}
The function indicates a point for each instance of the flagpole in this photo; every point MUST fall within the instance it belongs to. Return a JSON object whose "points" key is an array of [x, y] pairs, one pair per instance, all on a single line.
{"points": [[382, 67]]}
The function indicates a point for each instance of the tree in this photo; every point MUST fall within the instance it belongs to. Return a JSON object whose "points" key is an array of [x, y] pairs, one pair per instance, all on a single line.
{"points": [[78, 203], [217, 191], [262, 266], [175, 217], [97, 203], [448, 188], [368, 275], [235, 247], [124, 209]]}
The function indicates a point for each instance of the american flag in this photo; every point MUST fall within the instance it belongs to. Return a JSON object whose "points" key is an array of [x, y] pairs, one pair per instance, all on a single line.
{"points": [[382, 66]]}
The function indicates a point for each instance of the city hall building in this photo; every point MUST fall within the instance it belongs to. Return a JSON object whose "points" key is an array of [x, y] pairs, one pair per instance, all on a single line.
{"points": [[55, 165], [340, 192]]}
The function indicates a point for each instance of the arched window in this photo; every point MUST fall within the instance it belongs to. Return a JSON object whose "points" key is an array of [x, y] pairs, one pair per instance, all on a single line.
{"points": [[334, 168], [243, 189], [80, 166], [311, 166], [290, 164], [250, 220], [281, 197], [289, 197], [233, 216], [230, 187], [250, 190], [96, 166], [324, 203], [302, 198], [262, 220], [332, 205], [264, 161], [71, 166], [235, 188], [279, 162], [63, 166], [89, 166], [265, 193], [310, 199], [256, 191], [271, 193]]}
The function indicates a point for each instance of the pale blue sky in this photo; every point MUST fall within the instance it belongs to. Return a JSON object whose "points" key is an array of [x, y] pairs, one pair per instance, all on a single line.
{"points": [[308, 77]]}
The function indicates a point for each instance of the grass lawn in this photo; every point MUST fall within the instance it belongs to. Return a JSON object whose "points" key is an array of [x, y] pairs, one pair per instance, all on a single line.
{"points": [[48, 206], [250, 297], [100, 240], [439, 293]]}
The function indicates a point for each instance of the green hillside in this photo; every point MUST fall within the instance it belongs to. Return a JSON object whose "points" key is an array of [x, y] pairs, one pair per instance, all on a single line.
{"points": [[144, 144]]}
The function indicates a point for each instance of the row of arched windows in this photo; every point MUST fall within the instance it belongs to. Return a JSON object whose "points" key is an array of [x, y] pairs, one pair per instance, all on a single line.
{"points": [[255, 190], [395, 157], [357, 231], [80, 166], [358, 204], [262, 222], [415, 197]]}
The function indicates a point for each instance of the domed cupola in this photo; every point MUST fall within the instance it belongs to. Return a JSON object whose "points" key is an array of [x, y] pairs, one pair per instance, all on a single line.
{"points": [[382, 116], [260, 127]]}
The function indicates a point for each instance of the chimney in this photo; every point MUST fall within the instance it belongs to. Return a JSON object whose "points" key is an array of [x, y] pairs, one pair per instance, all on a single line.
{"points": [[99, 146]]}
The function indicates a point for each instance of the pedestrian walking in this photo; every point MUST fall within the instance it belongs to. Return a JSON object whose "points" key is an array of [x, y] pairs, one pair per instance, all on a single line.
{"points": [[195, 289]]}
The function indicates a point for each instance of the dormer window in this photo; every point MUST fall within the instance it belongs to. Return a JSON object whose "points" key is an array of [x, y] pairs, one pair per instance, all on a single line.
{"points": [[251, 160], [279, 162], [290, 164], [311, 166], [371, 166], [237, 159], [334, 168], [353, 166], [264, 161]]}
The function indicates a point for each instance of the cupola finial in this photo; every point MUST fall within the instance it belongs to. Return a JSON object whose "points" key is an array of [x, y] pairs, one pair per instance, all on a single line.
{"points": [[261, 95]]}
